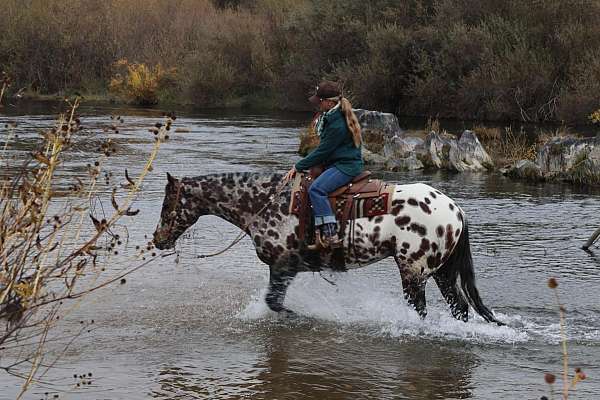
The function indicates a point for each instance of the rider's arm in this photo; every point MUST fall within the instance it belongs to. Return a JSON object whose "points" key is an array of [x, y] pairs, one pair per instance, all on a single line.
{"points": [[331, 138]]}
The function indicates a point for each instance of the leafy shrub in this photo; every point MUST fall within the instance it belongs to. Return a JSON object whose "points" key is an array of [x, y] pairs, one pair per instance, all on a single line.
{"points": [[209, 79], [139, 83]]}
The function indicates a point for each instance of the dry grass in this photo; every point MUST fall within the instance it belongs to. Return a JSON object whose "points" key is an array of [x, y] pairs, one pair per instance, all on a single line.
{"points": [[544, 136], [488, 135], [5, 85], [595, 117], [433, 125], [374, 140], [506, 147], [53, 244]]}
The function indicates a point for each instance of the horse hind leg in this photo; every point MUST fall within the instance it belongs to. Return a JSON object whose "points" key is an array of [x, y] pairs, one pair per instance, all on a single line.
{"points": [[446, 282], [414, 288], [460, 263], [279, 281]]}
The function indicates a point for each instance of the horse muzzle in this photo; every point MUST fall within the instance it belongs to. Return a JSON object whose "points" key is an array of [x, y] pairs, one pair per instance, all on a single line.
{"points": [[162, 243]]}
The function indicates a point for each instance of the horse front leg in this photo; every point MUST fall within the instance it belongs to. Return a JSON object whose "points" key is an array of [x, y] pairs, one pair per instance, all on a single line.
{"points": [[279, 280], [413, 285]]}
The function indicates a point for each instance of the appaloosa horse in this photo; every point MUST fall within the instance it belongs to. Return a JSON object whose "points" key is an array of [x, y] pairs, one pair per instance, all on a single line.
{"points": [[425, 232]]}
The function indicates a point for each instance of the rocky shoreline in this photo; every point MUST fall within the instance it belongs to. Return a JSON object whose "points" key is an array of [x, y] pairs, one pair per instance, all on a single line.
{"points": [[388, 147], [568, 159]]}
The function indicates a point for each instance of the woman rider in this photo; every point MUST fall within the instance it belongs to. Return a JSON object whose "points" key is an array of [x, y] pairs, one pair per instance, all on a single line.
{"points": [[339, 152]]}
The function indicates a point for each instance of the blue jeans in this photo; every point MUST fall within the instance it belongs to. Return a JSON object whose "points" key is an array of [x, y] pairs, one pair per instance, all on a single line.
{"points": [[331, 179]]}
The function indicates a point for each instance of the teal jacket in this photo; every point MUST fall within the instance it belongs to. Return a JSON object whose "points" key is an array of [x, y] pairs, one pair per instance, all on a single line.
{"points": [[336, 147]]}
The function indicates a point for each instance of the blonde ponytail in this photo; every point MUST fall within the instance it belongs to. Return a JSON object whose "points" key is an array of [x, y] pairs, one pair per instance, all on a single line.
{"points": [[351, 121]]}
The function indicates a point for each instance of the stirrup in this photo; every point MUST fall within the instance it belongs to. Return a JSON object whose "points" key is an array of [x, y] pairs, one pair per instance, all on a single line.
{"points": [[319, 244], [325, 242]]}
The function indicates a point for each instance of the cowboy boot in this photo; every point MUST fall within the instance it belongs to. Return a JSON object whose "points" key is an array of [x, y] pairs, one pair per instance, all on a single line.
{"points": [[332, 242], [330, 236]]}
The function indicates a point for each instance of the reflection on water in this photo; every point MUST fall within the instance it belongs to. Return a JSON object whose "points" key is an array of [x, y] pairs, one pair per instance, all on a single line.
{"points": [[199, 329], [291, 365]]}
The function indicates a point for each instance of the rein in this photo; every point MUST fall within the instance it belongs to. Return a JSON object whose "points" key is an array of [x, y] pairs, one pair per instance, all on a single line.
{"points": [[176, 203]]}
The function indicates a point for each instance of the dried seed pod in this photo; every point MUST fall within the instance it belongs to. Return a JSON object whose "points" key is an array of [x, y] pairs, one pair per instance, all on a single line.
{"points": [[549, 378]]}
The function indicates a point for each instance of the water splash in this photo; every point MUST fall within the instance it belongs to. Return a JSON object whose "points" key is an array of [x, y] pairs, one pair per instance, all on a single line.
{"points": [[353, 304]]}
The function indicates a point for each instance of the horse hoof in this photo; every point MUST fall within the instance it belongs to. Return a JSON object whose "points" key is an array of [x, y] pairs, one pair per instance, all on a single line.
{"points": [[286, 312]]}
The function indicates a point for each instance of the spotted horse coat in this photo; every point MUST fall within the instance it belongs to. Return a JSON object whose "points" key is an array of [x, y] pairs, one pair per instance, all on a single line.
{"points": [[425, 232]]}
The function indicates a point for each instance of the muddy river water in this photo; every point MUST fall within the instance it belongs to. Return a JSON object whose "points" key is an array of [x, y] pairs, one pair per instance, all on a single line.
{"points": [[199, 329]]}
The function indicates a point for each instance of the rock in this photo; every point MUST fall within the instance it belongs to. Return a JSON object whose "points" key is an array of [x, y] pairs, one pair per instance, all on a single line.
{"points": [[524, 169], [566, 159], [400, 154], [436, 154], [469, 155], [408, 163], [570, 159], [562, 154], [370, 158], [465, 154], [396, 147], [401, 146], [385, 123], [385, 144], [414, 142]]}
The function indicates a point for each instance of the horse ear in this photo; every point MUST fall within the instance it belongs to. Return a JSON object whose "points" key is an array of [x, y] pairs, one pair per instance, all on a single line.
{"points": [[171, 180]]}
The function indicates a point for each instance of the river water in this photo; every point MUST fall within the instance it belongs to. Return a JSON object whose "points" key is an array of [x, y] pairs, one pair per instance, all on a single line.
{"points": [[199, 329]]}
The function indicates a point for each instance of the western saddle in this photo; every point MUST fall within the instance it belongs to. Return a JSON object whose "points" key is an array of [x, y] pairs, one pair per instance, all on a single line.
{"points": [[363, 197]]}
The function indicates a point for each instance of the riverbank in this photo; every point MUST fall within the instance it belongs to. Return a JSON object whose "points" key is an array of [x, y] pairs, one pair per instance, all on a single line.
{"points": [[256, 102], [555, 155], [469, 60], [414, 124]]}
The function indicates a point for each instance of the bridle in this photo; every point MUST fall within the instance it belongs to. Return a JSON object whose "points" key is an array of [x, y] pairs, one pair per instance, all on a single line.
{"points": [[174, 210]]}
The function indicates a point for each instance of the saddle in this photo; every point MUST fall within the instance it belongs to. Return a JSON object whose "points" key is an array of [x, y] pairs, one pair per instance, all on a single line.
{"points": [[363, 197]]}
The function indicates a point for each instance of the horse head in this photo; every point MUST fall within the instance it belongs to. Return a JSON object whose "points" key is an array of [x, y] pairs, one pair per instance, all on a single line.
{"points": [[176, 215]]}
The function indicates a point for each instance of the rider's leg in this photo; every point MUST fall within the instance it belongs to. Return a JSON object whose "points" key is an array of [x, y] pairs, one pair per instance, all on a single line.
{"points": [[331, 179]]}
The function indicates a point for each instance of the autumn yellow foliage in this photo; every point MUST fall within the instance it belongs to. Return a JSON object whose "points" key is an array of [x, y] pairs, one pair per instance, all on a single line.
{"points": [[595, 116], [139, 83]]}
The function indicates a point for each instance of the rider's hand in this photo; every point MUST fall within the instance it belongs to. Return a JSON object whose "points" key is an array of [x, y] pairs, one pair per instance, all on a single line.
{"points": [[290, 175]]}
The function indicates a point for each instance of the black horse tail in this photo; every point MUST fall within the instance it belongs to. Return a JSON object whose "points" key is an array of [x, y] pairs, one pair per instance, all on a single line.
{"points": [[460, 263]]}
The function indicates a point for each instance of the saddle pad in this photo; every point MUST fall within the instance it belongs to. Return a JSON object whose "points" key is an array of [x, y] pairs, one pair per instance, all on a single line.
{"points": [[366, 205]]}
